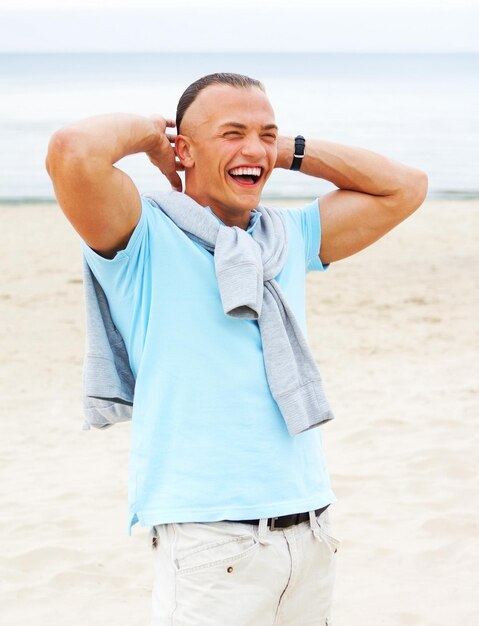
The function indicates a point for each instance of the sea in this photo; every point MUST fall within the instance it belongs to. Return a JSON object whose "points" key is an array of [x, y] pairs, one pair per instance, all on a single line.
{"points": [[421, 109]]}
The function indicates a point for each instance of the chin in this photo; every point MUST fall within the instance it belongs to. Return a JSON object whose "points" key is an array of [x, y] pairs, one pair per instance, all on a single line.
{"points": [[249, 201], [249, 204]]}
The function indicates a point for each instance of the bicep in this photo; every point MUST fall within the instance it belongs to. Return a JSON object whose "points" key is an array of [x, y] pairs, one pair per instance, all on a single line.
{"points": [[101, 202], [352, 221]]}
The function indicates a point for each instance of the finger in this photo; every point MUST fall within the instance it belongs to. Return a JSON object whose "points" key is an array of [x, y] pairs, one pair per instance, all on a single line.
{"points": [[179, 166], [175, 182], [171, 138], [170, 123]]}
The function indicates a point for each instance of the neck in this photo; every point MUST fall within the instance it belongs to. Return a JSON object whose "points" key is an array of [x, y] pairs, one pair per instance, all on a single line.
{"points": [[240, 218]]}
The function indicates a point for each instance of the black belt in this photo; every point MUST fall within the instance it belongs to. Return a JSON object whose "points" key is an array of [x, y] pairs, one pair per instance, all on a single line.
{"points": [[285, 521]]}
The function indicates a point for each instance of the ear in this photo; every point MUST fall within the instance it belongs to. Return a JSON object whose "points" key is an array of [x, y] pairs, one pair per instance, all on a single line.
{"points": [[183, 151]]}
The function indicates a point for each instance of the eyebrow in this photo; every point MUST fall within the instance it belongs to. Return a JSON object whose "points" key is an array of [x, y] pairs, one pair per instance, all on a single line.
{"points": [[244, 127]]}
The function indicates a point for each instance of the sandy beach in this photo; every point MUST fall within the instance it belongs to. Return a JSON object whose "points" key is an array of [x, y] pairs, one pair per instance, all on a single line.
{"points": [[395, 330]]}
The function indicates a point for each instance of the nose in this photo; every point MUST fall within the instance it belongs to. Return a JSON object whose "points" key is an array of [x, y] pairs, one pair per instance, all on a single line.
{"points": [[253, 147]]}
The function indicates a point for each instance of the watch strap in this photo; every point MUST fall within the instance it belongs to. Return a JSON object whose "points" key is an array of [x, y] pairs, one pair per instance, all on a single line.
{"points": [[299, 147]]}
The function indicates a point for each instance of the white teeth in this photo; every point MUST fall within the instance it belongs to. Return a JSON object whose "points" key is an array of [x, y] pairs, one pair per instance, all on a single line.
{"points": [[246, 171]]}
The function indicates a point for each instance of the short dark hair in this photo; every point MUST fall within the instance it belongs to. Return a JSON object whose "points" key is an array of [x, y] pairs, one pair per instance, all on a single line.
{"points": [[191, 93]]}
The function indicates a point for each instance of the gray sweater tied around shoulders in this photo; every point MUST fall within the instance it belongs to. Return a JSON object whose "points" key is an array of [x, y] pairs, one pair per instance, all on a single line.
{"points": [[245, 267]]}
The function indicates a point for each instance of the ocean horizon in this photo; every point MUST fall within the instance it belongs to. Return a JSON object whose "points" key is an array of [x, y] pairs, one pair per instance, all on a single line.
{"points": [[421, 109]]}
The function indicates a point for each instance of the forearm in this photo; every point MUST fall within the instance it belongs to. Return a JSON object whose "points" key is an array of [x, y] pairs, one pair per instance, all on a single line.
{"points": [[348, 167], [107, 138]]}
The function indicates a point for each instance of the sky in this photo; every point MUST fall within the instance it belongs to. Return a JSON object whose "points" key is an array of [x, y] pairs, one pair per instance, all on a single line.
{"points": [[242, 25]]}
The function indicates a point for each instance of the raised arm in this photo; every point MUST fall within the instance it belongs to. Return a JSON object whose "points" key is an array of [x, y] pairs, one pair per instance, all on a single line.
{"points": [[100, 200], [375, 193]]}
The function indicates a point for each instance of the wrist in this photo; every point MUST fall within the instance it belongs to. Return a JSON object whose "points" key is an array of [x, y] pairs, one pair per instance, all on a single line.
{"points": [[128, 133], [155, 132], [285, 152], [299, 150]]}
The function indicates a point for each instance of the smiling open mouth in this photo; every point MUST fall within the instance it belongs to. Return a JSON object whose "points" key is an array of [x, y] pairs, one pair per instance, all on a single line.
{"points": [[246, 175]]}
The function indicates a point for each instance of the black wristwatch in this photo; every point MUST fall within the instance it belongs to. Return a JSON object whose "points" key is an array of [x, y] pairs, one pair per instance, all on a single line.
{"points": [[299, 146]]}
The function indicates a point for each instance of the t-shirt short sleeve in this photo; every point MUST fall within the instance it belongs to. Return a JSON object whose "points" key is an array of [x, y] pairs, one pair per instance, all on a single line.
{"points": [[308, 221], [124, 266]]}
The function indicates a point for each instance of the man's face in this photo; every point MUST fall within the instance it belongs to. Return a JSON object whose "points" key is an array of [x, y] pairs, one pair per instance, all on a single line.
{"points": [[231, 134]]}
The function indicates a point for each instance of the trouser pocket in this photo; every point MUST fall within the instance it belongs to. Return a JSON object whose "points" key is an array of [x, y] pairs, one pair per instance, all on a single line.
{"points": [[203, 547], [217, 575]]}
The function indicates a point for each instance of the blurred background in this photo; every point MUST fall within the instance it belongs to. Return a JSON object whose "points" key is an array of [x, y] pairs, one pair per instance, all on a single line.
{"points": [[401, 78]]}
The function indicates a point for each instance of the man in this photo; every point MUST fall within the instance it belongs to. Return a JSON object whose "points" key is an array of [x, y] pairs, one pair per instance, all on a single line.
{"points": [[238, 506]]}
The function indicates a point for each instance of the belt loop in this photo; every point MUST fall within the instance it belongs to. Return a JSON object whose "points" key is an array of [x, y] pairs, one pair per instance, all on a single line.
{"points": [[263, 531], [315, 527], [154, 537]]}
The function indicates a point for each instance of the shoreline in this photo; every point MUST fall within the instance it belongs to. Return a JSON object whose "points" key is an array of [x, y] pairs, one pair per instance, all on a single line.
{"points": [[276, 199]]}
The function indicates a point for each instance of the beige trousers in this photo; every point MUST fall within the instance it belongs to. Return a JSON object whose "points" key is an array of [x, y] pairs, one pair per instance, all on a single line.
{"points": [[235, 574]]}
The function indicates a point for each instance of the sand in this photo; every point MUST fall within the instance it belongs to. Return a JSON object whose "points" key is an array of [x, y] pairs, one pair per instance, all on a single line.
{"points": [[395, 330]]}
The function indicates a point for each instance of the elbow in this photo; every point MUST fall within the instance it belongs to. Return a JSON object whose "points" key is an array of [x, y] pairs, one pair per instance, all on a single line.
{"points": [[65, 148], [411, 195], [417, 187], [421, 186]]}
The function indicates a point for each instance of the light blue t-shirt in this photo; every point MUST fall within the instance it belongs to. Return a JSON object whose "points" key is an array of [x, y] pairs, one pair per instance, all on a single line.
{"points": [[208, 441]]}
